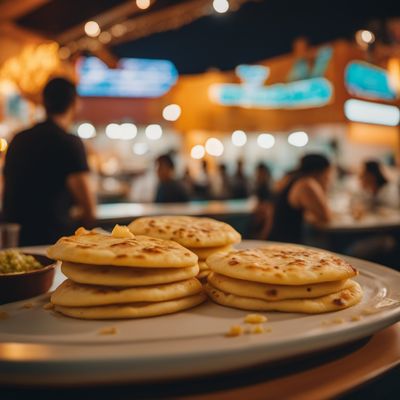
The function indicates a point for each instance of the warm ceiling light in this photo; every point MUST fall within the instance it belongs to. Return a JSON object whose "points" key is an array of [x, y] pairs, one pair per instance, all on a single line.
{"points": [[239, 138], [221, 6], [172, 112], [92, 29], [143, 4]]}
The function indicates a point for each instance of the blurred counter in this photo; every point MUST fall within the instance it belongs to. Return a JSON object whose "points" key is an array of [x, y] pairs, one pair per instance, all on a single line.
{"points": [[235, 212]]}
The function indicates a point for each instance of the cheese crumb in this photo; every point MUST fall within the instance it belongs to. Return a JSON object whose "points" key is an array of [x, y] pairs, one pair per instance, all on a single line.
{"points": [[4, 315], [122, 232], [81, 231], [355, 318], [235, 330], [255, 319], [258, 329], [338, 321], [108, 330], [27, 305], [48, 306]]}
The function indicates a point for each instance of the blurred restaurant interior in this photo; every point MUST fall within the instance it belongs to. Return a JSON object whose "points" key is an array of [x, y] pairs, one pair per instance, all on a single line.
{"points": [[215, 108]]}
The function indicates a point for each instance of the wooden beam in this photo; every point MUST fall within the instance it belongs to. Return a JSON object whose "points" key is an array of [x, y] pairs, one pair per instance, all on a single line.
{"points": [[106, 18], [13, 9]]}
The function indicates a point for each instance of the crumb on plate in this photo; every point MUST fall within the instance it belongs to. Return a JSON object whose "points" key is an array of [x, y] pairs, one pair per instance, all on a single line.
{"points": [[48, 306], [255, 319], [235, 330], [108, 330], [4, 315]]}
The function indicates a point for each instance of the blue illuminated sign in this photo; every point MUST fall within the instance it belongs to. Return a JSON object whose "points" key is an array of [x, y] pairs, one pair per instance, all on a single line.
{"points": [[313, 92], [132, 78], [368, 81]]}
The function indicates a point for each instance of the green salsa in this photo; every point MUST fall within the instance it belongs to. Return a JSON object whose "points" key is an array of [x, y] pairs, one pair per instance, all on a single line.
{"points": [[13, 261]]}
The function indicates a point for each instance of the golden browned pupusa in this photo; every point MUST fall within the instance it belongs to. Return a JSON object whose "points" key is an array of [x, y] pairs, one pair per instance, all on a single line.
{"points": [[124, 276], [284, 278]]}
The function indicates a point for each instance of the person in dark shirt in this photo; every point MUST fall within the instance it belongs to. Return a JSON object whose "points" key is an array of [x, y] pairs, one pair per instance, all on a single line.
{"points": [[169, 189], [305, 194], [240, 188], [262, 187], [46, 172]]}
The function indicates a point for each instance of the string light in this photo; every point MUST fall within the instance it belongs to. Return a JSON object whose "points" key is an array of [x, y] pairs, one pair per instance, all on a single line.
{"points": [[221, 6], [105, 37], [92, 29], [143, 4]]}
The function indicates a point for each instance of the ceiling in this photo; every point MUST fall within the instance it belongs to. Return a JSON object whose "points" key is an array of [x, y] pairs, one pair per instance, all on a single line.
{"points": [[258, 30]]}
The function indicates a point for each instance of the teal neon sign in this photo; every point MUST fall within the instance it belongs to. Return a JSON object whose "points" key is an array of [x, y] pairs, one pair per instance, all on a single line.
{"points": [[306, 90], [368, 81]]}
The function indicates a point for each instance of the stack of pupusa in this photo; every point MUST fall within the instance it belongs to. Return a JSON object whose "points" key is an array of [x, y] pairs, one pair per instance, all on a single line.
{"points": [[282, 278], [202, 236], [124, 276]]}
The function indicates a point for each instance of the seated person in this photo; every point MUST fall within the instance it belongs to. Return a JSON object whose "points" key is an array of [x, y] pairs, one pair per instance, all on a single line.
{"points": [[380, 192], [169, 189], [305, 195]]}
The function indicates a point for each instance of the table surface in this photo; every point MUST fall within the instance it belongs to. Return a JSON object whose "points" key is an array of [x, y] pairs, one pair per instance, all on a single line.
{"points": [[114, 211], [383, 218]]}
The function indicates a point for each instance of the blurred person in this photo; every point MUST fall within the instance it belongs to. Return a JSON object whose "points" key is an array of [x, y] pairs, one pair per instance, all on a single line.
{"points": [[169, 189], [202, 185], [263, 212], [303, 197], [240, 188], [379, 190], [46, 172], [223, 187], [262, 186]]}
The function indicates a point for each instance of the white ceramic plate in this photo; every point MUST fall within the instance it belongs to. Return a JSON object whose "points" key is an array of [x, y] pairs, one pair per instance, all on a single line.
{"points": [[38, 346]]}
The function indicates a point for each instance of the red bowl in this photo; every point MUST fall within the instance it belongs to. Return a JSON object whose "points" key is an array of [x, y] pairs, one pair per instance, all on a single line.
{"points": [[19, 286]]}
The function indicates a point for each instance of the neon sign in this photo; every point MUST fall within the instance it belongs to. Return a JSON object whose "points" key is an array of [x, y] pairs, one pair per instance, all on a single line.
{"points": [[368, 81], [371, 113], [307, 87], [133, 78], [313, 92]]}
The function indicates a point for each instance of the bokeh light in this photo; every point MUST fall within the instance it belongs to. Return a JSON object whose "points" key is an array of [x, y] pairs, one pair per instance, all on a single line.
{"points": [[112, 131], [143, 4], [221, 6], [198, 152], [172, 112], [140, 148], [214, 147], [239, 138], [266, 140], [92, 29], [298, 139], [153, 132], [86, 130], [127, 131]]}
